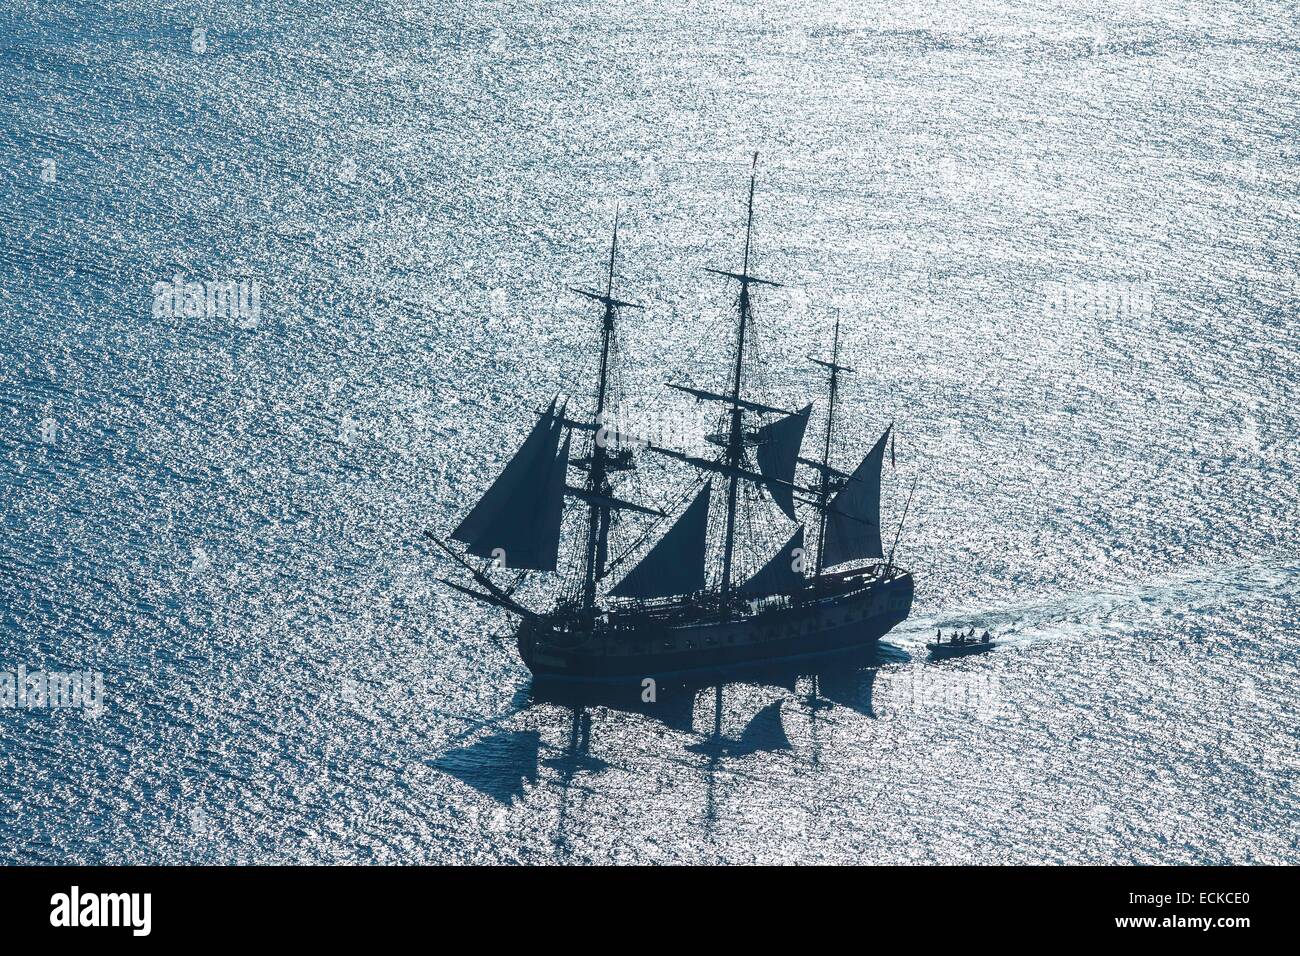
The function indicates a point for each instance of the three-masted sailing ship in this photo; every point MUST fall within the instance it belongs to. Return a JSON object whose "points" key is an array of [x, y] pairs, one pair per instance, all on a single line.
{"points": [[675, 612]]}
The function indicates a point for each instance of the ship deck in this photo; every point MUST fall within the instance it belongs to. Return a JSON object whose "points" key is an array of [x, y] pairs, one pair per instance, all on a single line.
{"points": [[712, 608]]}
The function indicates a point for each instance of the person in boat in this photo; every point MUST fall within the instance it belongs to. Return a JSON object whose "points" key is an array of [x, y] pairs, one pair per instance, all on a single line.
{"points": [[986, 637]]}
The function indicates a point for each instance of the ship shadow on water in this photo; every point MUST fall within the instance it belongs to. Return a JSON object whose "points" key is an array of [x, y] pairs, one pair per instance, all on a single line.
{"points": [[506, 765], [765, 733], [843, 679], [501, 766]]}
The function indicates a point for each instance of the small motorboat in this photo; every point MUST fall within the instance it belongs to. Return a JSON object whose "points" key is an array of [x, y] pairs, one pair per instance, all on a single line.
{"points": [[960, 643]]}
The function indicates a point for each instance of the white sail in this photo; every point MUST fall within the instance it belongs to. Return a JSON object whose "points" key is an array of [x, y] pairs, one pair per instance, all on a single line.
{"points": [[853, 515], [676, 564]]}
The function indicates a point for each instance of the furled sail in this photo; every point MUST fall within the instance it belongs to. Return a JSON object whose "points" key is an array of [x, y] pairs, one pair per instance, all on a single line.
{"points": [[778, 451], [703, 395], [676, 564], [783, 572], [518, 518], [853, 515]]}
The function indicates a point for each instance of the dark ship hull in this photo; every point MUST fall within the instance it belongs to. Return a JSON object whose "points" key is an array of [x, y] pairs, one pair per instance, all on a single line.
{"points": [[851, 610]]}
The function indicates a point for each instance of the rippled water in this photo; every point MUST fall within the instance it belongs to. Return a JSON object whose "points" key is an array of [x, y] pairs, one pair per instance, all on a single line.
{"points": [[1061, 239]]}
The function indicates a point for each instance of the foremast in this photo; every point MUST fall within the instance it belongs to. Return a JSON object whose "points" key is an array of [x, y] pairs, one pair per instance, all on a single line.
{"points": [[597, 491], [598, 485], [517, 523]]}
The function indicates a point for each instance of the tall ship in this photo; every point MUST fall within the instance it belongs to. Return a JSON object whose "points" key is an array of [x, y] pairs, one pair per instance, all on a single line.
{"points": [[701, 589]]}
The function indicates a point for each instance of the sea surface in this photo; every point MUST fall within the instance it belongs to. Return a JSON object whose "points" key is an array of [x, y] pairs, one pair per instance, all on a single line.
{"points": [[1061, 242]]}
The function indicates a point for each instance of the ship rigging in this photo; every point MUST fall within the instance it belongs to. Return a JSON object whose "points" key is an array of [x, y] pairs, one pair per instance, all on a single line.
{"points": [[668, 611]]}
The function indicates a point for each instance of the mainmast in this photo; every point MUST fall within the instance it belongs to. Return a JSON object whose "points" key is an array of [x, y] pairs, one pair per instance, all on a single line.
{"points": [[598, 517], [599, 493], [736, 437], [733, 459], [676, 564]]}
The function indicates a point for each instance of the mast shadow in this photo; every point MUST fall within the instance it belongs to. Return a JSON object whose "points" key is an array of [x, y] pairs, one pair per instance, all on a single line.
{"points": [[853, 687], [576, 756], [673, 704]]}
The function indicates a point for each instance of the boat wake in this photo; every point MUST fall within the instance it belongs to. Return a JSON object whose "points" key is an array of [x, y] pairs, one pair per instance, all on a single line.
{"points": [[1172, 603]]}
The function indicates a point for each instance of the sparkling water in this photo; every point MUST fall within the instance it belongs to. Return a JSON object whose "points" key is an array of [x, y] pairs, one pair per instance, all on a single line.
{"points": [[283, 287]]}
